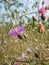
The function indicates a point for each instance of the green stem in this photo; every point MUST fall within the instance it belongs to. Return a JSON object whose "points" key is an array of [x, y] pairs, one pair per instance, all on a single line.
{"points": [[21, 47]]}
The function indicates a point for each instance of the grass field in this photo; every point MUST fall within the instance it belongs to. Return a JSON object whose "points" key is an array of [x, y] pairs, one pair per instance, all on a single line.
{"points": [[11, 49]]}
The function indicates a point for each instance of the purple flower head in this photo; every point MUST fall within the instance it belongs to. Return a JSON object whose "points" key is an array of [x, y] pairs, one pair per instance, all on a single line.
{"points": [[13, 33], [20, 29], [15, 63], [41, 10], [16, 31], [23, 55]]}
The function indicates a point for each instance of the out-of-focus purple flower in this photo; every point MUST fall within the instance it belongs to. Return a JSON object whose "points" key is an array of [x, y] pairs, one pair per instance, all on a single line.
{"points": [[23, 56], [13, 33], [16, 31], [41, 10], [15, 63], [28, 50], [20, 29]]}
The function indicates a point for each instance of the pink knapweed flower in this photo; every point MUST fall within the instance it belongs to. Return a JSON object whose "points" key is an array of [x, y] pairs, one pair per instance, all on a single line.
{"points": [[15, 63], [41, 10], [23, 56]]}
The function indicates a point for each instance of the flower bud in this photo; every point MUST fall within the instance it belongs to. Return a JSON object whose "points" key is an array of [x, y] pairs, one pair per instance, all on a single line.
{"points": [[42, 2], [20, 36], [34, 19], [36, 2], [37, 55], [43, 17], [46, 8]]}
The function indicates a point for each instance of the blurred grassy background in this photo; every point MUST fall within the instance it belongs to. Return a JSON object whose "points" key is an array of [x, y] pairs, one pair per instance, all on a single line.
{"points": [[10, 50]]}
